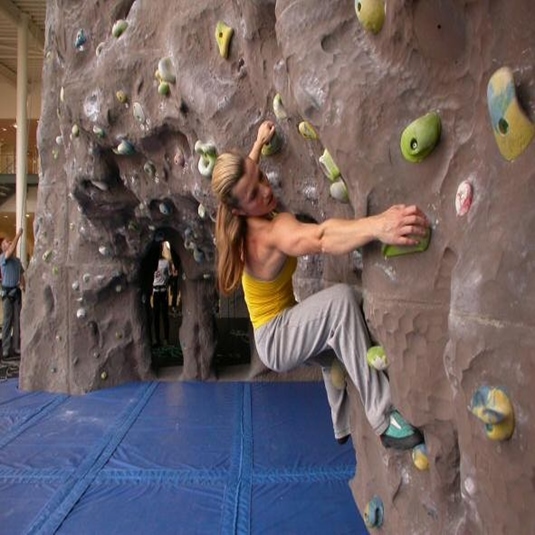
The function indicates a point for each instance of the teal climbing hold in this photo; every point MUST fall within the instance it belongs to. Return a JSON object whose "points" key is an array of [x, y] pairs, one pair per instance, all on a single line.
{"points": [[420, 137], [374, 513]]}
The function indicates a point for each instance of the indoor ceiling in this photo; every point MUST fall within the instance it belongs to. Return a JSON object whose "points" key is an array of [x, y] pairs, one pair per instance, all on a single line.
{"points": [[11, 12]]}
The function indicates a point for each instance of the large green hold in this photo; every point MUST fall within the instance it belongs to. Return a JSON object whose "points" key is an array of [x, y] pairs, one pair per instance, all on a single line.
{"points": [[398, 250], [421, 137]]}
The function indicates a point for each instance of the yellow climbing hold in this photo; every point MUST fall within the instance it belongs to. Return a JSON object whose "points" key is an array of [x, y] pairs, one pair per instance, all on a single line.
{"points": [[512, 128], [278, 108], [420, 457], [371, 14], [494, 408], [338, 375], [307, 130], [223, 35]]}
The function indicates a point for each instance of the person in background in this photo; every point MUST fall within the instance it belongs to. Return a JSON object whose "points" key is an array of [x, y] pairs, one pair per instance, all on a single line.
{"points": [[258, 245], [160, 297], [12, 286], [173, 288]]}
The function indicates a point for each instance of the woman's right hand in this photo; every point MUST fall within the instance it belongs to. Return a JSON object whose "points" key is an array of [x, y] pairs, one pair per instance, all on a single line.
{"points": [[265, 132], [401, 225]]}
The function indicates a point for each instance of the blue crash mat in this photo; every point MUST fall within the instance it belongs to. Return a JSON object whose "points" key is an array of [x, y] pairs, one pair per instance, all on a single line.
{"points": [[174, 458]]}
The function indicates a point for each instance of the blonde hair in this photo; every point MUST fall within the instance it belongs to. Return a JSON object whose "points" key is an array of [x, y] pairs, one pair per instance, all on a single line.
{"points": [[229, 228]]}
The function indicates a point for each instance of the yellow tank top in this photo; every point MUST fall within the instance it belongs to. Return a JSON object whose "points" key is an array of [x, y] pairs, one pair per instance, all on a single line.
{"points": [[267, 299]]}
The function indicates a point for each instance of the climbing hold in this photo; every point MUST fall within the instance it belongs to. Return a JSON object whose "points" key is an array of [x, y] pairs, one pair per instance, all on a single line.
{"points": [[420, 137], [278, 108], [104, 375], [512, 128], [398, 250], [80, 39], [99, 48], [201, 211], [81, 313], [376, 358], [99, 132], [374, 513], [420, 457], [166, 71], [164, 88], [59, 140], [125, 148], [137, 111], [47, 255], [103, 250], [338, 375], [208, 156], [371, 14], [75, 130], [121, 96], [223, 35], [150, 169], [307, 130], [330, 169], [338, 191], [463, 198], [165, 209], [198, 255], [62, 94], [274, 145], [119, 27], [494, 408]]}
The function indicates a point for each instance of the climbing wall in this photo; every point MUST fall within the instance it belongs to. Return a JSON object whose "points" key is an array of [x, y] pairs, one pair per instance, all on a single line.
{"points": [[426, 102]]}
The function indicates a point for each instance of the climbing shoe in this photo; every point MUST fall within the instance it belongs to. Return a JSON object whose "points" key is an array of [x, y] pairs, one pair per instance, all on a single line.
{"points": [[400, 434], [343, 440]]}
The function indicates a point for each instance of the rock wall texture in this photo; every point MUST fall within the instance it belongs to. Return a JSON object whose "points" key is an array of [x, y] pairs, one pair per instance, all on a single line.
{"points": [[120, 169]]}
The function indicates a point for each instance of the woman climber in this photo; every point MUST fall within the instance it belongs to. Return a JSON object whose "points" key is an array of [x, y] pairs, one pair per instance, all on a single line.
{"points": [[258, 247]]}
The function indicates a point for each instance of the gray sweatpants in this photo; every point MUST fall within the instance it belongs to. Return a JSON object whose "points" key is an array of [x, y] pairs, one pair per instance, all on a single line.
{"points": [[328, 320]]}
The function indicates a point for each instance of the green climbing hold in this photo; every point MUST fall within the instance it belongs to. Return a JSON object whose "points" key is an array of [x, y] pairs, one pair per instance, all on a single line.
{"points": [[330, 169], [273, 146], [208, 156], [119, 28], [397, 250], [420, 137], [376, 358], [371, 14]]}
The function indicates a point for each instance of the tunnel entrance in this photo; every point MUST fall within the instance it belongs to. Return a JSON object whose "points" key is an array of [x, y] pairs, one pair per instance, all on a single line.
{"points": [[231, 319]]}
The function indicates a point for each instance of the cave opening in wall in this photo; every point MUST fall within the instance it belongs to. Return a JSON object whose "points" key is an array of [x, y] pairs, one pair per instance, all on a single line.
{"points": [[160, 280], [234, 331]]}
